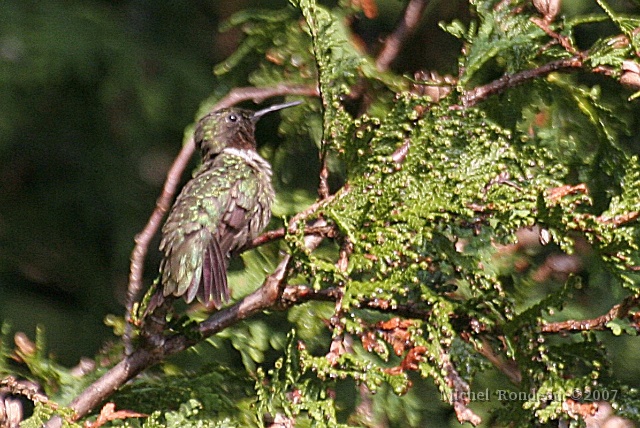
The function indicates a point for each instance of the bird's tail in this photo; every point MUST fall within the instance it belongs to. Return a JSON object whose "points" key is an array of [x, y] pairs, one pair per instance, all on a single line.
{"points": [[213, 291], [195, 266]]}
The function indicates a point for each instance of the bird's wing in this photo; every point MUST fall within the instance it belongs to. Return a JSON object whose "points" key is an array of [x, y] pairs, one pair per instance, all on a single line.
{"points": [[204, 225]]}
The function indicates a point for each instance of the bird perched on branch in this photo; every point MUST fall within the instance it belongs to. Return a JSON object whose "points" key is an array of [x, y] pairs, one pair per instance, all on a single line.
{"points": [[224, 206]]}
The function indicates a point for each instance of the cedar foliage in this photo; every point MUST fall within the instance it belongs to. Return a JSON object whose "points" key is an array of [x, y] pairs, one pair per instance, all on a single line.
{"points": [[429, 195]]}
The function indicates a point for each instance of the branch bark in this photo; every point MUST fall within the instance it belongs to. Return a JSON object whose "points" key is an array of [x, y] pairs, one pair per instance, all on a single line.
{"points": [[474, 96], [273, 235], [621, 310], [406, 26]]}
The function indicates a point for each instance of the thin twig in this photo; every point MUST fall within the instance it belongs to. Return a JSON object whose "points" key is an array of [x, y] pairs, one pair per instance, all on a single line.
{"points": [[273, 235], [472, 97], [323, 185], [619, 220], [258, 95], [621, 310], [143, 239], [460, 391], [297, 294], [508, 367], [302, 215], [406, 26], [392, 46]]}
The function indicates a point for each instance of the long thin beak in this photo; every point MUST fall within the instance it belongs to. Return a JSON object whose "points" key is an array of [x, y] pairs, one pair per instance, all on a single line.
{"points": [[257, 115]]}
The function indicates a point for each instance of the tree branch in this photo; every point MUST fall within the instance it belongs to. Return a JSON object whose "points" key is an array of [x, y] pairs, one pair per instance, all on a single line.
{"points": [[323, 184], [258, 95], [406, 26], [143, 239], [472, 97], [508, 367], [298, 294], [460, 391], [144, 358], [273, 235], [392, 45], [621, 310], [152, 352]]}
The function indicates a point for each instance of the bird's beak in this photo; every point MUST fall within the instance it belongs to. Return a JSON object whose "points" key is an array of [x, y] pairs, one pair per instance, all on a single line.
{"points": [[257, 115]]}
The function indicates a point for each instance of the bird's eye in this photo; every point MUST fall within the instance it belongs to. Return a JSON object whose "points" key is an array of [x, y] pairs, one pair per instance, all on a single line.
{"points": [[232, 117]]}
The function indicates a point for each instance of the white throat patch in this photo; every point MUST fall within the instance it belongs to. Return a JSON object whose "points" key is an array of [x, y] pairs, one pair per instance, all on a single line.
{"points": [[251, 157]]}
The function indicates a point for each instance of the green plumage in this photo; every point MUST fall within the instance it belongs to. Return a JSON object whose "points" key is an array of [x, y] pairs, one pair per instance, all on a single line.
{"points": [[224, 206]]}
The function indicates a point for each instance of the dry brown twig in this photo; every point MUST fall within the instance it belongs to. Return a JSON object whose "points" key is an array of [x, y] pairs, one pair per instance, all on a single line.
{"points": [[405, 27], [480, 93], [460, 391], [391, 48], [576, 62], [109, 413], [506, 366], [619, 311]]}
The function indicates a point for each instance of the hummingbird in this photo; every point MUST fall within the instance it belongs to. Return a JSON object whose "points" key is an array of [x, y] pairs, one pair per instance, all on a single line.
{"points": [[223, 207]]}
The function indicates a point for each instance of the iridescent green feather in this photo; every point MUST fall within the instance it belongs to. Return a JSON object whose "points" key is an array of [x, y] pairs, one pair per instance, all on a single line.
{"points": [[201, 215]]}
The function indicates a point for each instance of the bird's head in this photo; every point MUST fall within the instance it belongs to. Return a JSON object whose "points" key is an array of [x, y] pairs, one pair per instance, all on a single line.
{"points": [[230, 127]]}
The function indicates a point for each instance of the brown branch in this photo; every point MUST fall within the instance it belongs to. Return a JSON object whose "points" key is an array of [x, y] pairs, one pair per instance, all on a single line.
{"points": [[109, 413], [258, 95], [298, 294], [460, 391], [117, 376], [302, 215], [152, 353], [392, 45], [406, 26], [268, 236], [621, 310], [346, 248], [543, 24], [274, 235], [555, 194], [323, 184], [143, 239], [472, 97], [619, 220], [507, 367], [262, 298]]}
